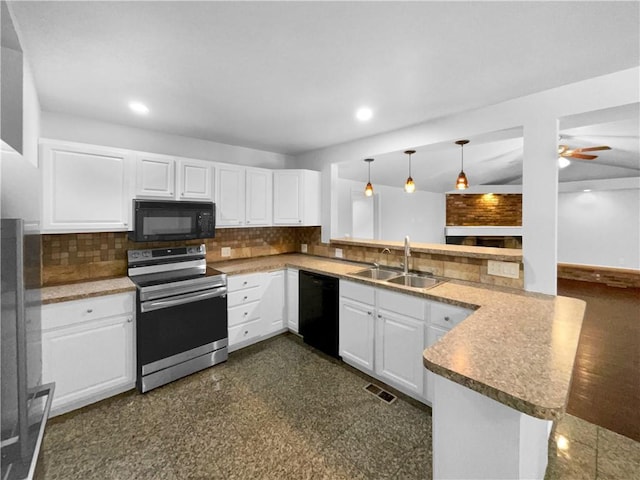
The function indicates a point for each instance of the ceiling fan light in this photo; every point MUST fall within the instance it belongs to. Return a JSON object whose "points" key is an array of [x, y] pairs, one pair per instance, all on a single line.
{"points": [[368, 190], [409, 185], [563, 162], [462, 183]]}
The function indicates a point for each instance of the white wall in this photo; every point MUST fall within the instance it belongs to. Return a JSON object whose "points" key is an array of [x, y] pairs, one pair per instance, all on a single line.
{"points": [[421, 215], [538, 114], [601, 227], [83, 130]]}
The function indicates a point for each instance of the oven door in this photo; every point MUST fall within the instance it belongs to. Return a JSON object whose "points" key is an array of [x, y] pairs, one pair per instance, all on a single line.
{"points": [[176, 330]]}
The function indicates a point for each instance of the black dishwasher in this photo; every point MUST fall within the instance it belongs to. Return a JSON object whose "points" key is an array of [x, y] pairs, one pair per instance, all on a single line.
{"points": [[318, 311]]}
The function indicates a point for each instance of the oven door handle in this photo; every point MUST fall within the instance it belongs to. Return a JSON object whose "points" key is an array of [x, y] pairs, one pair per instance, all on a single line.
{"points": [[182, 299]]}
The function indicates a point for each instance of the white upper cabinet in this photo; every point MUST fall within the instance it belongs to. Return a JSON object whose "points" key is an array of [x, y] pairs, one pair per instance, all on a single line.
{"points": [[259, 191], [85, 188], [230, 195], [155, 176], [296, 197], [173, 178], [195, 180]]}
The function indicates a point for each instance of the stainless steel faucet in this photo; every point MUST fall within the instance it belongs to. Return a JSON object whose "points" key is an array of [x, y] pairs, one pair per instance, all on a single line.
{"points": [[407, 254]]}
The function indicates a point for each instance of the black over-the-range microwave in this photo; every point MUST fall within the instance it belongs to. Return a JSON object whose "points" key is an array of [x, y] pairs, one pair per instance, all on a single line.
{"points": [[160, 220]]}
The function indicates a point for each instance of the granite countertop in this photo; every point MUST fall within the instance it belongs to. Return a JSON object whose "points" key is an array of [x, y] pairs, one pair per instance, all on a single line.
{"points": [[75, 291], [489, 253], [517, 348]]}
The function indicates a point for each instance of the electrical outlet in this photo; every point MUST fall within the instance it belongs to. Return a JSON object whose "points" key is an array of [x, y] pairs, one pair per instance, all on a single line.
{"points": [[225, 251], [338, 253], [503, 269], [303, 248]]}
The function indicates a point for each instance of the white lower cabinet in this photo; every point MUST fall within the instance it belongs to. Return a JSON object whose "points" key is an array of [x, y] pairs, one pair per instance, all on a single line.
{"points": [[399, 345], [88, 349], [256, 307], [292, 299], [384, 333], [356, 330]]}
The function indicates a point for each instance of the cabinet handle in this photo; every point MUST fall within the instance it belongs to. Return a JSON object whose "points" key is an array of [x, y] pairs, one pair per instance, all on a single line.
{"points": [[170, 193], [379, 316], [244, 283], [446, 319], [125, 224], [246, 332], [246, 313], [89, 310], [299, 221], [245, 297], [248, 222], [129, 319], [368, 313]]}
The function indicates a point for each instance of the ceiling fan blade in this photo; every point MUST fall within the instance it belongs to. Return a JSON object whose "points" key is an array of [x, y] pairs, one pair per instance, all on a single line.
{"points": [[582, 156], [592, 149]]}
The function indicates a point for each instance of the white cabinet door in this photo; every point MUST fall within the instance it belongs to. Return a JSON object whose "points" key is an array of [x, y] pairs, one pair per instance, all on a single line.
{"points": [[87, 359], [292, 299], [230, 195], [85, 188], [356, 333], [259, 195], [195, 180], [434, 334], [273, 311], [296, 197], [399, 345], [155, 176], [287, 197]]}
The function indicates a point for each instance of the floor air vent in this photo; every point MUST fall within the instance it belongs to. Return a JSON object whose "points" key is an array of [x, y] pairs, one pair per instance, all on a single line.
{"points": [[380, 393]]}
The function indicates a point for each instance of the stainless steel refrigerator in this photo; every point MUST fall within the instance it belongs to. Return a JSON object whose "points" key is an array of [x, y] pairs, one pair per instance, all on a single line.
{"points": [[25, 401]]}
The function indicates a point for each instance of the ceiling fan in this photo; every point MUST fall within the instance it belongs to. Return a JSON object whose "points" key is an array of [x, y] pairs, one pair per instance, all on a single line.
{"points": [[565, 151]]}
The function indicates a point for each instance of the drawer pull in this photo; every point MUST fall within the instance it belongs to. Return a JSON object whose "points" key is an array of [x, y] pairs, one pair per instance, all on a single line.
{"points": [[89, 310], [244, 283], [246, 313], [245, 297], [368, 313], [447, 319], [379, 316], [246, 332], [129, 319]]}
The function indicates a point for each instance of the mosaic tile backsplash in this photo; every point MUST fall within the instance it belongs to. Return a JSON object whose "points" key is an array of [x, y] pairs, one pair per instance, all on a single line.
{"points": [[90, 256]]}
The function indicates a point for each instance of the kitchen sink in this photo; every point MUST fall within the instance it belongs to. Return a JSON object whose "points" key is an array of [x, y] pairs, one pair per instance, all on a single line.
{"points": [[415, 281], [377, 274]]}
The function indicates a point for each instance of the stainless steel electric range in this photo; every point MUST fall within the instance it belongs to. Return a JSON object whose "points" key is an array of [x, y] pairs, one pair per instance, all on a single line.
{"points": [[181, 323]]}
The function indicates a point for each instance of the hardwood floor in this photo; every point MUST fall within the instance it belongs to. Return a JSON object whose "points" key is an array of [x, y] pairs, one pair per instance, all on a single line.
{"points": [[606, 379]]}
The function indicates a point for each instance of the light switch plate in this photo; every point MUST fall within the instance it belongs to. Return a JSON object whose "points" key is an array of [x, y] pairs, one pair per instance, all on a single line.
{"points": [[225, 251], [503, 269], [303, 248], [338, 253]]}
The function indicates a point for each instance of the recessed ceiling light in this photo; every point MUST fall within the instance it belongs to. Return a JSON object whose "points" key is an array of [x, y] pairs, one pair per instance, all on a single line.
{"points": [[139, 108], [586, 190], [363, 114], [563, 162]]}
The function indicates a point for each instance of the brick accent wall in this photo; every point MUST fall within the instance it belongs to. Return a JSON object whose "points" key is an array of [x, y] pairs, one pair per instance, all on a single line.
{"points": [[90, 256], [500, 209]]}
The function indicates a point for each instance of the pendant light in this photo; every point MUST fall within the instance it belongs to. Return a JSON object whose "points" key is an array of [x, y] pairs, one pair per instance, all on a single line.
{"points": [[368, 190], [462, 183], [409, 185]]}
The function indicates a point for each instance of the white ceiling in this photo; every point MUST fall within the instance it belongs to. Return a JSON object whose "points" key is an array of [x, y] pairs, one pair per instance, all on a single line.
{"points": [[496, 158], [288, 76]]}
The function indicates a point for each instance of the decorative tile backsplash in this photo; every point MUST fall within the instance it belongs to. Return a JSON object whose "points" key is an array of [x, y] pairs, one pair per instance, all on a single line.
{"points": [[90, 256]]}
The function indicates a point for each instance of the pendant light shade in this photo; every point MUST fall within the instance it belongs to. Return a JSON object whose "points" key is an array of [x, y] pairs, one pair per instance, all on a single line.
{"points": [[462, 183], [368, 190], [410, 185]]}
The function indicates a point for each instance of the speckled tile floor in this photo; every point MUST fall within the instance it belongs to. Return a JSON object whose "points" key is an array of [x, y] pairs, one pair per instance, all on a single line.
{"points": [[280, 410]]}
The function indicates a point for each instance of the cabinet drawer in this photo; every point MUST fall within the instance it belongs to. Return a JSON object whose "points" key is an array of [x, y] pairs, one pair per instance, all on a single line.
{"points": [[244, 297], [400, 303], [243, 313], [245, 331], [448, 316], [240, 282], [357, 291], [62, 314]]}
